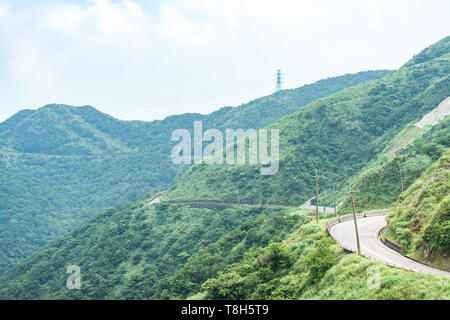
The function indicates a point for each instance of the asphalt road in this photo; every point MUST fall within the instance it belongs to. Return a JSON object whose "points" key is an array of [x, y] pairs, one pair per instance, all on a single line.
{"points": [[372, 248]]}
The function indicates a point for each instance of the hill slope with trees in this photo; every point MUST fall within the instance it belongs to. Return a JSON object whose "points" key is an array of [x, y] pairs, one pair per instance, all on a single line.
{"points": [[172, 251], [420, 220], [339, 135], [59, 165]]}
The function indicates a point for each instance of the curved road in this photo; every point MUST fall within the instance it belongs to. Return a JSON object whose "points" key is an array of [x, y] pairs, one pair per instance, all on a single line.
{"points": [[371, 247]]}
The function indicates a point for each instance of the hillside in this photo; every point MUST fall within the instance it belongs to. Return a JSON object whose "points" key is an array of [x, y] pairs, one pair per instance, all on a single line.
{"points": [[420, 220], [59, 165], [163, 252], [125, 252], [310, 265], [339, 135], [171, 251], [380, 183]]}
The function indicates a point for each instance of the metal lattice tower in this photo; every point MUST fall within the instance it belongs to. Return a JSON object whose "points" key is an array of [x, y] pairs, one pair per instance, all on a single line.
{"points": [[278, 80]]}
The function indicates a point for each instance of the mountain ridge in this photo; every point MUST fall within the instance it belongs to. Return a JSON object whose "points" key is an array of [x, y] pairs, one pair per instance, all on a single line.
{"points": [[117, 249], [100, 161], [369, 115]]}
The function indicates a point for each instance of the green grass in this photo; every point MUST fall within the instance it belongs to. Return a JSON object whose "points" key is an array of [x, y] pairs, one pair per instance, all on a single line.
{"points": [[420, 220], [318, 269]]}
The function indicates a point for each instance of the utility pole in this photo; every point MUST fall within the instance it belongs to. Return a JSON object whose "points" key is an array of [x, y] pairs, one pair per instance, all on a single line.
{"points": [[334, 193], [325, 202], [401, 174], [317, 197], [354, 218], [317, 194], [278, 80]]}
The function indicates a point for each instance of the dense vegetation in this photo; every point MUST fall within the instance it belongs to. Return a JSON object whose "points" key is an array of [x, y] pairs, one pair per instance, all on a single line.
{"points": [[420, 220], [125, 252], [380, 183], [171, 251], [310, 265], [59, 165], [229, 249], [339, 135]]}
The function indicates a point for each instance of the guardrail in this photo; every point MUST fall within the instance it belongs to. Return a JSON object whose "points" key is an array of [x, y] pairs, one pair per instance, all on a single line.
{"points": [[211, 204], [389, 243], [205, 204], [393, 245]]}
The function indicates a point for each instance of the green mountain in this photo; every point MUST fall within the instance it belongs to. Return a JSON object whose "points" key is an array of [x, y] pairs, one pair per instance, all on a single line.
{"points": [[380, 184], [420, 220], [59, 165], [125, 252], [339, 135], [174, 251]]}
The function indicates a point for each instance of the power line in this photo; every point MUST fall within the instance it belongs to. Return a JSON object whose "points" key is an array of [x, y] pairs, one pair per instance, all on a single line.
{"points": [[263, 81], [200, 97], [193, 93]]}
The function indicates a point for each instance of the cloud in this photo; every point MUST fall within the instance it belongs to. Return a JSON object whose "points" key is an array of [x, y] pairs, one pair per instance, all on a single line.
{"points": [[119, 50], [3, 11], [124, 23], [27, 67], [183, 30]]}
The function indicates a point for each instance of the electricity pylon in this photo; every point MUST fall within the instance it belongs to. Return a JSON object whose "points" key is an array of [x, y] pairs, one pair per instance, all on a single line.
{"points": [[278, 80]]}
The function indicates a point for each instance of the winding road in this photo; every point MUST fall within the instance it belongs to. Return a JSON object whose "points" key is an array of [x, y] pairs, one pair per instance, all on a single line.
{"points": [[372, 247]]}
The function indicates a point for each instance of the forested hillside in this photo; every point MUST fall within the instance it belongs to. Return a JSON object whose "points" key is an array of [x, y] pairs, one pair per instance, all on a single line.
{"points": [[381, 183], [420, 220], [338, 135], [167, 251], [59, 164], [125, 252], [172, 252], [310, 265]]}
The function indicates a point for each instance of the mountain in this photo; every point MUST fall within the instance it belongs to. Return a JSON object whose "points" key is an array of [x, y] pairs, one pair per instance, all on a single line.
{"points": [[413, 150], [339, 135], [126, 251], [59, 165], [169, 250], [420, 219]]}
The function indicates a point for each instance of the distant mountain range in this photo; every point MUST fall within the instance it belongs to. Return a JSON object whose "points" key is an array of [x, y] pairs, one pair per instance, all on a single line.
{"points": [[59, 165], [172, 251]]}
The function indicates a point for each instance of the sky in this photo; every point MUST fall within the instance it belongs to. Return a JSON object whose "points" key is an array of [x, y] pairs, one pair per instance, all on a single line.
{"points": [[145, 60]]}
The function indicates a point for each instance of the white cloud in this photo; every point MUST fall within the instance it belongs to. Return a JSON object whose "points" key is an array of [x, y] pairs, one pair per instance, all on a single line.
{"points": [[179, 27], [67, 18], [27, 67], [3, 11], [124, 23]]}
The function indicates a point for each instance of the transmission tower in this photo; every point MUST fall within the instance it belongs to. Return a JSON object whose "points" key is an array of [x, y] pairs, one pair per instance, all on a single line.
{"points": [[278, 80]]}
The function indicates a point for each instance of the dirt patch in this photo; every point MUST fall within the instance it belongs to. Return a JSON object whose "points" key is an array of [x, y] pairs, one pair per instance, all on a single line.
{"points": [[436, 115]]}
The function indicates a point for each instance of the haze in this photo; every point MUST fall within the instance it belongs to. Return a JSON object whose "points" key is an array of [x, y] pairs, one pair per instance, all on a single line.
{"points": [[149, 59]]}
